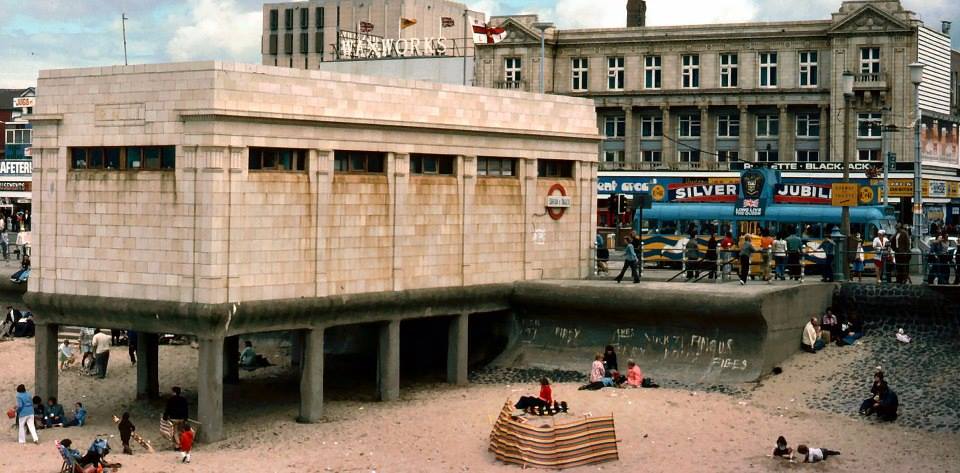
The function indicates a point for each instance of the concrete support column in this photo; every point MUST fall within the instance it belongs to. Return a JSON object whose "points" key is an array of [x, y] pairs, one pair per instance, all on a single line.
{"points": [[210, 390], [148, 376], [630, 136], [457, 349], [398, 176], [825, 132], [45, 361], [747, 131], [786, 139], [311, 377], [388, 367], [669, 147], [708, 138], [231, 360]]}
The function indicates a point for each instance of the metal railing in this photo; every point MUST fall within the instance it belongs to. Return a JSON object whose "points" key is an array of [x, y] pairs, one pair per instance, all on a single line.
{"points": [[511, 84]]}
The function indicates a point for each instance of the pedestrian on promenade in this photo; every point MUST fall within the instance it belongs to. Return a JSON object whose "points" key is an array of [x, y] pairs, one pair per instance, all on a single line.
{"points": [[858, 262], [766, 252], [101, 352], [829, 251], [780, 257], [794, 254], [880, 253], [25, 415], [943, 260], [603, 254], [902, 247], [692, 255], [711, 258], [745, 252], [629, 261]]}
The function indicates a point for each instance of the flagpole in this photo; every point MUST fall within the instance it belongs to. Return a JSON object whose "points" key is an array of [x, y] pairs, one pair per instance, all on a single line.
{"points": [[464, 46]]}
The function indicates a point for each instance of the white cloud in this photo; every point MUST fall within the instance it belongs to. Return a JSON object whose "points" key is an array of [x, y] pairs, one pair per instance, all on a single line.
{"points": [[218, 29]]}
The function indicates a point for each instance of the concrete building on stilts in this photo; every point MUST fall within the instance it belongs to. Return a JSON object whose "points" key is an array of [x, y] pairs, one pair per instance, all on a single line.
{"points": [[219, 200]]}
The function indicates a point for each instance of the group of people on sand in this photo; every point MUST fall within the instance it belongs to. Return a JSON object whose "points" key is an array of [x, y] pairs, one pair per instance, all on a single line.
{"points": [[32, 414], [819, 331], [604, 373]]}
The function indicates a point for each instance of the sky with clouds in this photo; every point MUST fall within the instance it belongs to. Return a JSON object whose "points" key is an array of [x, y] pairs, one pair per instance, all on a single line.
{"points": [[50, 34]]}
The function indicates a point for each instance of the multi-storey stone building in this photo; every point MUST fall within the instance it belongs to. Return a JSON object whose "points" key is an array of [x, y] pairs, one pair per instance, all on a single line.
{"points": [[304, 34], [709, 98]]}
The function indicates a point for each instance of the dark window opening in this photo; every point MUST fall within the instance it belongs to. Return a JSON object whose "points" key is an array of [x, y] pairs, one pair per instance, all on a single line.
{"points": [[501, 167], [554, 168], [277, 159], [274, 20], [359, 161], [304, 18], [304, 43], [432, 164], [126, 158], [273, 44], [288, 43], [319, 18], [288, 19]]}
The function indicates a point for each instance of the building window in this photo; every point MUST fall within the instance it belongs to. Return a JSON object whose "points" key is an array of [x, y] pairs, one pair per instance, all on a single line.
{"points": [[726, 156], [689, 156], [288, 19], [288, 43], [728, 126], [304, 18], [512, 69], [728, 70], [500, 167], [807, 156], [689, 126], [808, 125], [690, 71], [273, 44], [768, 125], [359, 161], [127, 158], [868, 125], [274, 20], [767, 156], [808, 69], [768, 69], [615, 127], [651, 156], [19, 136], [319, 18], [652, 72], [277, 159], [304, 43], [869, 60], [579, 73], [615, 73], [554, 168], [613, 156], [318, 47], [868, 155], [651, 127], [440, 164]]}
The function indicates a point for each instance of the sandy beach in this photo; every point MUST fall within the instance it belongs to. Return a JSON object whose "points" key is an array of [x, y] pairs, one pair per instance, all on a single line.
{"points": [[436, 427]]}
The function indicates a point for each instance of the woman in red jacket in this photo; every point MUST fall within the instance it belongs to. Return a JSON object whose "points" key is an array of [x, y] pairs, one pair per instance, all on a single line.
{"points": [[545, 400]]}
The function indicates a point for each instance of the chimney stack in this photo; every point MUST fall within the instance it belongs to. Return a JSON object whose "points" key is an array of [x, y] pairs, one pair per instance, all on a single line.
{"points": [[636, 13], [945, 27]]}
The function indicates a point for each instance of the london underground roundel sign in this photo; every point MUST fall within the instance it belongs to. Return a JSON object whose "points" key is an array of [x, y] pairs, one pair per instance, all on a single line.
{"points": [[557, 201]]}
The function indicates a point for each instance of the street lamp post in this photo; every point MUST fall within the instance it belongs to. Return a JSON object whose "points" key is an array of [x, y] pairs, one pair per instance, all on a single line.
{"points": [[916, 76], [844, 248], [542, 26]]}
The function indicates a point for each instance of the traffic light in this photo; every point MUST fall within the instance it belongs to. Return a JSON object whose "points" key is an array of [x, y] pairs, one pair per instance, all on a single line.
{"points": [[622, 205], [613, 203]]}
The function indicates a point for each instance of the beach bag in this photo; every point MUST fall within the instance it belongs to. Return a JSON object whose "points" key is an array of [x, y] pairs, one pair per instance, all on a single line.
{"points": [[11, 413]]}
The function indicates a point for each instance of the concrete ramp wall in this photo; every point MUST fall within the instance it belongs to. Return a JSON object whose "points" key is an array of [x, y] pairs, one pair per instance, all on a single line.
{"points": [[685, 332]]}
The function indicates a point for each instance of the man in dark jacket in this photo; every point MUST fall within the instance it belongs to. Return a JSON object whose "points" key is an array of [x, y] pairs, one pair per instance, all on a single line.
{"points": [[902, 246], [177, 406]]}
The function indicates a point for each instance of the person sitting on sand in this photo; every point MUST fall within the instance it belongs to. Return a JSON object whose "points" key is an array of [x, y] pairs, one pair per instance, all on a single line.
{"points": [[634, 375], [782, 450], [609, 360], [79, 416], [830, 324], [250, 360], [55, 415], [75, 457], [596, 374], [884, 401], [544, 401], [814, 455], [853, 332], [811, 341]]}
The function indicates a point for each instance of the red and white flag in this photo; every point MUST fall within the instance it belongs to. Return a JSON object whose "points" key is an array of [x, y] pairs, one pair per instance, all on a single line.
{"points": [[447, 22], [486, 34], [366, 27]]}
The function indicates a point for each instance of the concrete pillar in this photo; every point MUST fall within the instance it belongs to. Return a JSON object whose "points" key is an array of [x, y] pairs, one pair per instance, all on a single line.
{"points": [[457, 349], [708, 138], [311, 377], [747, 132], [786, 139], [825, 132], [210, 390], [630, 136], [45, 361], [669, 147], [148, 377], [231, 360], [388, 367]]}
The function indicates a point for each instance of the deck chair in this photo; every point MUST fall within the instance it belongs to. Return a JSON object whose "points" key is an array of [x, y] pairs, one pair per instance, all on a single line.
{"points": [[70, 464], [169, 428]]}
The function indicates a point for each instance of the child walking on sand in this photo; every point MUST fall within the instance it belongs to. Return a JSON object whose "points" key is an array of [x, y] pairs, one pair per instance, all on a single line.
{"points": [[186, 442], [126, 430]]}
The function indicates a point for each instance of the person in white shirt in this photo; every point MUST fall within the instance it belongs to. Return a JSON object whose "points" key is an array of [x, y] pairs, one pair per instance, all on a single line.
{"points": [[101, 352], [66, 355], [780, 257], [814, 455], [811, 341], [879, 255]]}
